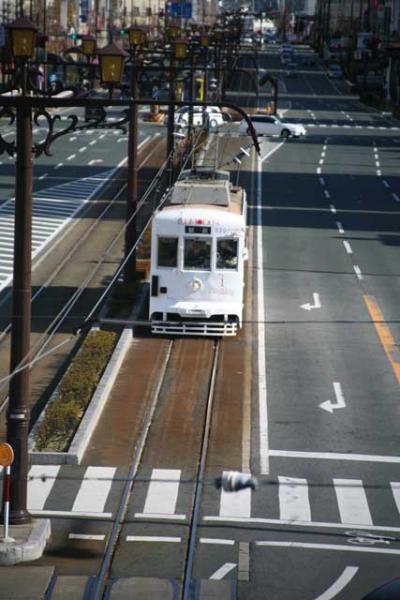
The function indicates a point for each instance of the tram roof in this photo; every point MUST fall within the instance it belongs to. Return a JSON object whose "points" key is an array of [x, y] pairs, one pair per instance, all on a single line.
{"points": [[210, 192]]}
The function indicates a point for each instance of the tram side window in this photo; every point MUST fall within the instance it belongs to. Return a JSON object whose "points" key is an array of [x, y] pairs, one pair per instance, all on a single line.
{"points": [[197, 254], [227, 254], [167, 251]]}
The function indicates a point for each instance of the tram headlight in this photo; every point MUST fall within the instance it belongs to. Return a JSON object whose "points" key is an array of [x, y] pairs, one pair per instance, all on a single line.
{"points": [[196, 285]]}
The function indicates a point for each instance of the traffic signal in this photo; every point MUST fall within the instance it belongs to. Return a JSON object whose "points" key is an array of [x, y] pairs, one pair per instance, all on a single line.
{"points": [[122, 31], [199, 89], [73, 36]]}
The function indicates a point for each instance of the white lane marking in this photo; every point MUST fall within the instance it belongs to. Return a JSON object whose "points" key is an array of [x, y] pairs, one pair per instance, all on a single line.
{"points": [[340, 401], [82, 149], [152, 538], [327, 547], [352, 501], [159, 516], [395, 196], [294, 504], [217, 541], [271, 152], [330, 525], [322, 154], [379, 173], [59, 165], [333, 209], [94, 490], [43, 176], [87, 536], [347, 247], [339, 226], [235, 504], [262, 376], [335, 456], [94, 161], [377, 163], [327, 194], [309, 306], [71, 157], [321, 161], [322, 181], [40, 487], [395, 485], [92, 142], [67, 514], [222, 571], [318, 170], [73, 138], [357, 271], [162, 493], [340, 583]]}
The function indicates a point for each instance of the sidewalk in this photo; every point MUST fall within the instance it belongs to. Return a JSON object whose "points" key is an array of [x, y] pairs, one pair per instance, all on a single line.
{"points": [[29, 543]]}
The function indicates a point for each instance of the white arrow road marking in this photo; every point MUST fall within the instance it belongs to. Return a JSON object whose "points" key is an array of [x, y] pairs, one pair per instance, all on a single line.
{"points": [[328, 405], [339, 584], [317, 303], [222, 571]]}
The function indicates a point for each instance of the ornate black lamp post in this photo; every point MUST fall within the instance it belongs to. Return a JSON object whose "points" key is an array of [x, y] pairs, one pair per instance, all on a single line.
{"points": [[111, 59], [179, 47], [23, 45], [137, 37]]}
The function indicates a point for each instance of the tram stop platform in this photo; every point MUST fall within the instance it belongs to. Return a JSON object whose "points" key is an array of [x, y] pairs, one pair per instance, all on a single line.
{"points": [[29, 544]]}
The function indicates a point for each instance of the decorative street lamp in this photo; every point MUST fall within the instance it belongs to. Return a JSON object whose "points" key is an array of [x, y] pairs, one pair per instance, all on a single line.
{"points": [[179, 48], [23, 34], [89, 46], [111, 59], [137, 36]]}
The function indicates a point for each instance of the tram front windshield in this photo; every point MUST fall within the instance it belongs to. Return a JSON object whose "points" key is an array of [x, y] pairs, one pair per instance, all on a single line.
{"points": [[197, 254]]}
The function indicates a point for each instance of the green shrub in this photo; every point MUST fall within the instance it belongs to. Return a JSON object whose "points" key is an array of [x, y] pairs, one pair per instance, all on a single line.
{"points": [[75, 391]]}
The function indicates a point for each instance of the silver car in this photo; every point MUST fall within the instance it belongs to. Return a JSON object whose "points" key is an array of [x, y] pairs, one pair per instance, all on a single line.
{"points": [[270, 125]]}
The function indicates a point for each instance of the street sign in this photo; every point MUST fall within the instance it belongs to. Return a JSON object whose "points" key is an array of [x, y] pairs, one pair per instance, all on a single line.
{"points": [[6, 455], [180, 10]]}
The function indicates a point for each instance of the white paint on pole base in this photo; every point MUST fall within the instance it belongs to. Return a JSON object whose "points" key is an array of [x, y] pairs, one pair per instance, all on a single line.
{"points": [[340, 583], [328, 405], [316, 301], [222, 571]]}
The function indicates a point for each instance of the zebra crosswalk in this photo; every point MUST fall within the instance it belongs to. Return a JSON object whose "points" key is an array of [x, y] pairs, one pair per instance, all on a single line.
{"points": [[92, 492], [52, 209]]}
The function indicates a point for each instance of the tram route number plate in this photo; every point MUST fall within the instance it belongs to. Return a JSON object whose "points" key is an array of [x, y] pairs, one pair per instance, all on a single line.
{"points": [[6, 455]]}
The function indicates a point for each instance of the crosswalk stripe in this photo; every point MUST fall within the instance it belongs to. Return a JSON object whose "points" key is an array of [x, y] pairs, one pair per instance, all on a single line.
{"points": [[352, 501], [93, 493], [41, 484], [395, 485], [294, 503], [162, 493], [235, 504]]}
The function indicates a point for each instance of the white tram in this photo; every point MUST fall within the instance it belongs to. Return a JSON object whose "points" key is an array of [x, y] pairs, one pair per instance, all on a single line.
{"points": [[198, 250]]}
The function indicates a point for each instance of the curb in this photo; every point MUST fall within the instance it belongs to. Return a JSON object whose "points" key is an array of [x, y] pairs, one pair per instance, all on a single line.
{"points": [[12, 553], [94, 410]]}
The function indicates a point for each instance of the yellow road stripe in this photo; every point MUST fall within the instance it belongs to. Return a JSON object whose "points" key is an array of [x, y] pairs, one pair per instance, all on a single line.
{"points": [[383, 331]]}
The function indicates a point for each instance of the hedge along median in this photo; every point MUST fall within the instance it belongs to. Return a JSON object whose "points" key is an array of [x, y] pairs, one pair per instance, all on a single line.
{"points": [[63, 415]]}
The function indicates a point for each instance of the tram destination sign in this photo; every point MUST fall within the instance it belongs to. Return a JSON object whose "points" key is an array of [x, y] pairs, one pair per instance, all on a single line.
{"points": [[197, 229]]}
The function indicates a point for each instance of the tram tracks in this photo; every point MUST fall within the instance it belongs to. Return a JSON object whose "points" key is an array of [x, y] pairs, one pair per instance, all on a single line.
{"points": [[175, 431]]}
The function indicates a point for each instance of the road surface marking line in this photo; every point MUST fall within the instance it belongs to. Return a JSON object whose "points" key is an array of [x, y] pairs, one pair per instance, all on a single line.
{"points": [[235, 504], [321, 161], [379, 173], [262, 376], [339, 226], [352, 501], [244, 562], [322, 181], [222, 571], [329, 525], [340, 583], [87, 536], [160, 516], [333, 209], [42, 176], [271, 152], [38, 488], [395, 196], [162, 493], [395, 485], [335, 456], [94, 490], [385, 183], [152, 538], [67, 514], [339, 547], [347, 247], [59, 165], [82, 149], [294, 504], [327, 194], [217, 541], [384, 335], [71, 157], [318, 170], [357, 271]]}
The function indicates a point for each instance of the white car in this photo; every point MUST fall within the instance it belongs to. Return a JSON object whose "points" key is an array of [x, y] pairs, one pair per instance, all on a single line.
{"points": [[214, 113], [270, 125]]}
